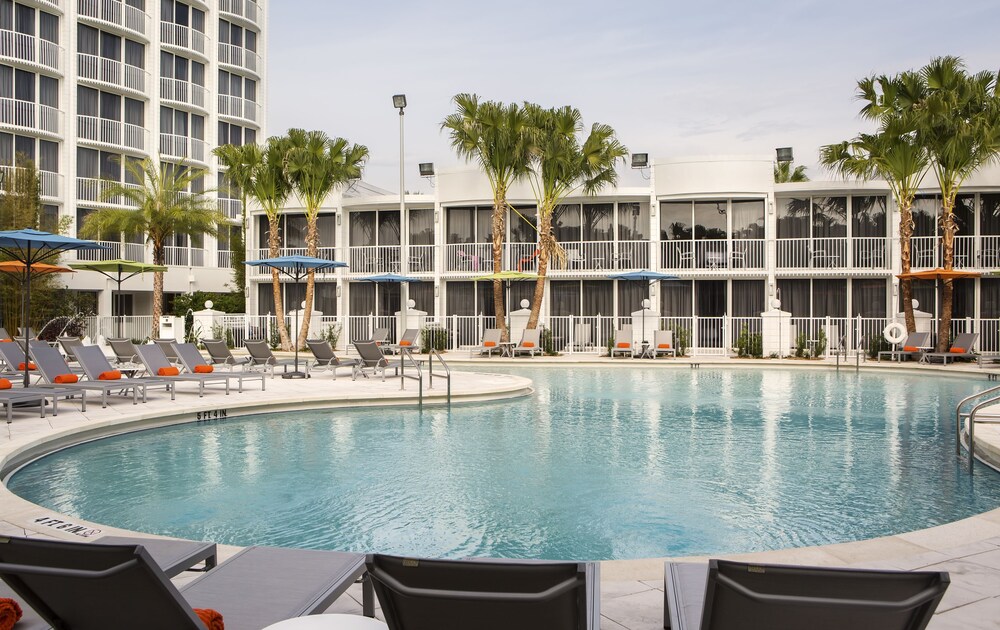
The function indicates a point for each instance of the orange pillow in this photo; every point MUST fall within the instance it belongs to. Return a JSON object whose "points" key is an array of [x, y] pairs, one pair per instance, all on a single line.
{"points": [[110, 375], [31, 366], [66, 379], [664, 346], [624, 345], [168, 371], [911, 349], [6, 340], [955, 350], [5, 384], [529, 344], [405, 343], [489, 344], [211, 618], [203, 369], [10, 613]]}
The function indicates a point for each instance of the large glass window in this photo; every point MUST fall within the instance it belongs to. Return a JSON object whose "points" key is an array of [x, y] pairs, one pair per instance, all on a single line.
{"points": [[633, 221]]}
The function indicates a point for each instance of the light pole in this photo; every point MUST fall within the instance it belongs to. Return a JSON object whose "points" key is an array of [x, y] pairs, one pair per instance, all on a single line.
{"points": [[399, 102]]}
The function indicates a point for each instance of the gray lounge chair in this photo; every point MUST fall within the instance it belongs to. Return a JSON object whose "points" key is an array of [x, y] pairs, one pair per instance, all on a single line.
{"points": [[327, 359], [490, 344], [622, 343], [663, 343], [582, 337], [219, 353], [10, 398], [262, 357], [530, 343], [407, 340], [156, 363], [126, 356], [96, 586], [486, 595], [373, 359], [722, 594], [4, 335], [68, 344], [12, 355], [51, 366], [191, 359], [94, 363], [167, 345], [961, 348], [380, 336], [918, 341]]}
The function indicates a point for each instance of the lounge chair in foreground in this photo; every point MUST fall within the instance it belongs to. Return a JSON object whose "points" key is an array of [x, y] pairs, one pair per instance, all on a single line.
{"points": [[327, 359], [84, 586], [663, 343], [915, 344], [12, 355], [262, 357], [157, 364], [56, 373], [961, 348], [486, 594], [97, 367], [723, 594], [407, 340], [530, 343], [10, 397], [489, 345], [373, 359], [219, 353], [623, 342], [196, 364]]}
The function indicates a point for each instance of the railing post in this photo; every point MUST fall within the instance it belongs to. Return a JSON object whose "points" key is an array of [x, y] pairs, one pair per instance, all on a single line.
{"points": [[572, 333], [694, 335]]}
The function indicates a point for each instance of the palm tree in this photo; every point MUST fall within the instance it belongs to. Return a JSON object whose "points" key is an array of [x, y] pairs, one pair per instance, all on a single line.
{"points": [[498, 137], [239, 162], [785, 174], [162, 207], [315, 165], [562, 167]]}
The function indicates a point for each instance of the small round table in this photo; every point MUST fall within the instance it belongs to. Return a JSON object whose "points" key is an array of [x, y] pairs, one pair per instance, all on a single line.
{"points": [[329, 622]]}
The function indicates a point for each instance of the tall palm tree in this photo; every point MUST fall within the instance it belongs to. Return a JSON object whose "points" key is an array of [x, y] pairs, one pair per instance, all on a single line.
{"points": [[498, 137], [562, 167], [162, 208], [315, 165], [239, 162], [785, 174]]}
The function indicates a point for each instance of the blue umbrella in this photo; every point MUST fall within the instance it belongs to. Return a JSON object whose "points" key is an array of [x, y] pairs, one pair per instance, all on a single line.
{"points": [[644, 275], [296, 268], [394, 278], [31, 247]]}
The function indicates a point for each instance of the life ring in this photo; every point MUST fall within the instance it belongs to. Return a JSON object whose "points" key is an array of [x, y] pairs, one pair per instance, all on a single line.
{"points": [[894, 332]]}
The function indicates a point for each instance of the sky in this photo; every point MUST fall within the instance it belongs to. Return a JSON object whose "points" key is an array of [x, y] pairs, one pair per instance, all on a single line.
{"points": [[674, 79]]}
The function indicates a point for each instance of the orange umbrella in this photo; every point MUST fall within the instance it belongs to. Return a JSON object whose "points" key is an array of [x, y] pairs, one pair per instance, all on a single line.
{"points": [[939, 274], [16, 267]]}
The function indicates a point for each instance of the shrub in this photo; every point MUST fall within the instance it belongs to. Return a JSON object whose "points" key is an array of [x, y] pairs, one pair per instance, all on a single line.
{"points": [[876, 344], [331, 333], [274, 339], [821, 340], [548, 344], [800, 345], [433, 337], [749, 345], [682, 338]]}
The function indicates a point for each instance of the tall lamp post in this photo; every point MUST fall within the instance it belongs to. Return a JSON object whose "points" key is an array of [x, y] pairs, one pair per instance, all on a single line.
{"points": [[399, 102]]}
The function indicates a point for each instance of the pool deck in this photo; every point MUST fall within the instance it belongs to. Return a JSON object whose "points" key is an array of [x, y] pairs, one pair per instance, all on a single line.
{"points": [[632, 590]]}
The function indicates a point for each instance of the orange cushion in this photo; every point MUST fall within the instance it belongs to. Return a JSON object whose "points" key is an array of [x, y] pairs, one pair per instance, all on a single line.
{"points": [[31, 366], [66, 379], [958, 350], [211, 618], [168, 371], [489, 344], [203, 369], [6, 340], [911, 349], [664, 346], [10, 612], [5, 384], [529, 344], [624, 345], [405, 343], [110, 375]]}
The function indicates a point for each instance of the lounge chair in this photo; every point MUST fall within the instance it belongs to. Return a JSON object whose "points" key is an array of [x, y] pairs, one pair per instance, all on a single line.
{"points": [[68, 344], [961, 348], [56, 373], [408, 340], [327, 359], [262, 357], [373, 359], [167, 345], [9, 398], [126, 357], [663, 343], [12, 356], [913, 346], [486, 594], [156, 364], [196, 364], [219, 353], [13, 394], [87, 586], [530, 343], [4, 335], [95, 363], [582, 337], [379, 336], [722, 594], [622, 343], [490, 344]]}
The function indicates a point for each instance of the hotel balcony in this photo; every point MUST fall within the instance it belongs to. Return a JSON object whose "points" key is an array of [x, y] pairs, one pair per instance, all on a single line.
{"points": [[111, 133], [105, 72], [582, 257], [833, 255], [182, 37], [374, 259], [232, 208], [224, 258], [183, 256], [90, 191], [30, 50], [239, 57], [25, 115], [979, 253], [182, 92], [50, 184], [121, 17], [248, 10], [714, 256], [116, 250], [182, 147], [238, 107]]}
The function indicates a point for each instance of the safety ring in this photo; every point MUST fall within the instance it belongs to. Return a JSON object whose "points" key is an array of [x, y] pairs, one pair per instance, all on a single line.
{"points": [[894, 332]]}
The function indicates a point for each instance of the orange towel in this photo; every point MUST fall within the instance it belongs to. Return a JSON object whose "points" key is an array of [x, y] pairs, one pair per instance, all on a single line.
{"points": [[168, 371], [529, 344], [6, 340], [10, 613], [664, 346], [203, 369], [31, 366], [110, 375], [958, 350], [911, 349], [5, 384], [66, 379], [624, 345], [489, 344], [405, 343], [211, 618]]}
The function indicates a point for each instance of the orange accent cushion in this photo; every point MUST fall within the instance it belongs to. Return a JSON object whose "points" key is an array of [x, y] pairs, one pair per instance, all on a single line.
{"points": [[489, 344], [31, 366], [10, 613], [911, 349], [211, 618], [66, 379], [6, 340], [664, 346], [5, 384], [958, 350], [529, 344], [110, 375], [203, 369], [405, 343], [168, 371], [624, 345]]}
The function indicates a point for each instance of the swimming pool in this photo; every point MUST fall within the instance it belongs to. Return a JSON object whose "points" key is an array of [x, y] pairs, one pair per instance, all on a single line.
{"points": [[599, 464]]}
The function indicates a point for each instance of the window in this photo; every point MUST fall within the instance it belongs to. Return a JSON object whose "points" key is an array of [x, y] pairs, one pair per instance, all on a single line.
{"points": [[198, 73], [135, 54], [48, 91], [48, 156], [48, 27], [134, 112], [111, 46], [87, 100], [111, 106], [24, 86], [251, 90], [24, 19], [251, 40], [88, 40]]}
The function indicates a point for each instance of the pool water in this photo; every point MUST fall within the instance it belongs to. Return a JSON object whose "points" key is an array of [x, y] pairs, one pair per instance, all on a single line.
{"points": [[598, 464]]}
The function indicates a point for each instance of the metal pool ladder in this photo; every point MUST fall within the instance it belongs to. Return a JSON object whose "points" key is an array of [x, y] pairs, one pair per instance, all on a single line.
{"points": [[407, 356], [970, 415]]}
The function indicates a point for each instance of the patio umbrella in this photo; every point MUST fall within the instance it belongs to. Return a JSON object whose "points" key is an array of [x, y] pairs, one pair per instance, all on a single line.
{"points": [[507, 277], [32, 247], [393, 278], [938, 274], [646, 276], [117, 270], [296, 268]]}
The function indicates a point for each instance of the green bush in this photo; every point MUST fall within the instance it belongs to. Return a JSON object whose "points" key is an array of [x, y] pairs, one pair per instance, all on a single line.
{"points": [[801, 341], [331, 333], [749, 345], [433, 337], [682, 337], [548, 345], [67, 326], [225, 302], [274, 339], [820, 344], [877, 344]]}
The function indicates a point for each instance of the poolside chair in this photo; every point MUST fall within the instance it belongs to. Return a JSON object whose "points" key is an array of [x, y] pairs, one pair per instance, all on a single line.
{"points": [[11, 398], [723, 594], [95, 364], [56, 373], [379, 336], [4, 335], [196, 364], [913, 346], [219, 353], [961, 348], [373, 359], [582, 338], [531, 343], [489, 345], [156, 364], [486, 594], [262, 357], [327, 359], [67, 344], [126, 356], [622, 343], [407, 340], [85, 586], [167, 345], [663, 343]]}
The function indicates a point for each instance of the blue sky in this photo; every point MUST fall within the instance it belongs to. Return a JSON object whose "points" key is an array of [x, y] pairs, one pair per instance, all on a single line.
{"points": [[674, 79]]}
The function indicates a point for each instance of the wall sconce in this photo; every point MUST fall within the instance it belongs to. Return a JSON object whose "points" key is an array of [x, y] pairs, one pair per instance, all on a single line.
{"points": [[338, 290], [770, 206], [338, 218], [437, 290], [770, 289], [437, 216]]}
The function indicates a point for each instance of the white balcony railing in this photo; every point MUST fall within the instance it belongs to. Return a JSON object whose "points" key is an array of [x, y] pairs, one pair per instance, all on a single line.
{"points": [[182, 37], [183, 256], [182, 92], [28, 115], [232, 208], [93, 191], [812, 253], [182, 147], [421, 259], [116, 250], [30, 49], [224, 259], [116, 13], [239, 57], [971, 252], [111, 132], [247, 9], [738, 254], [112, 72], [238, 107], [50, 184], [471, 257]]}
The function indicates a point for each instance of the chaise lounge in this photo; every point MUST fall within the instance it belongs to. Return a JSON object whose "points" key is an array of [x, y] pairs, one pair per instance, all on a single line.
{"points": [[530, 343], [373, 359], [961, 348], [56, 373], [622, 343], [262, 357], [196, 364], [327, 359], [915, 344], [95, 364], [490, 344], [157, 364]]}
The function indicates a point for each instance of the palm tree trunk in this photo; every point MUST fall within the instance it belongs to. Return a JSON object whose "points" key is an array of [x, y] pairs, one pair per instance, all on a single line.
{"points": [[906, 257], [312, 248], [545, 241], [499, 228], [274, 245], [157, 298], [948, 229]]}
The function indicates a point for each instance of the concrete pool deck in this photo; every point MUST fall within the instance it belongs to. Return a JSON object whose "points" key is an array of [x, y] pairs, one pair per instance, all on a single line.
{"points": [[631, 591]]}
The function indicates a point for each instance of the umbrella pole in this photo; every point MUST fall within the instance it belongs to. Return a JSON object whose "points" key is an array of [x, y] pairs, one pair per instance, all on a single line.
{"points": [[26, 308], [295, 341]]}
